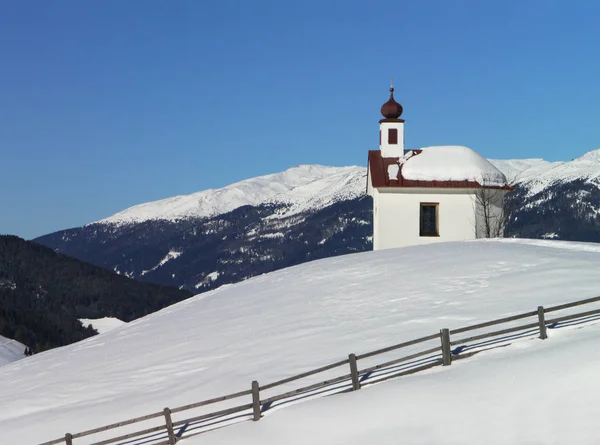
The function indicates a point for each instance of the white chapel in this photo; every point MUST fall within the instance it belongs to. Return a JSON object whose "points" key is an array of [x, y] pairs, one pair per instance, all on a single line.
{"points": [[433, 194]]}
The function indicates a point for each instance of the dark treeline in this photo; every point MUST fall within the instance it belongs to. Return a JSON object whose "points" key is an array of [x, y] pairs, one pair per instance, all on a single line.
{"points": [[43, 293]]}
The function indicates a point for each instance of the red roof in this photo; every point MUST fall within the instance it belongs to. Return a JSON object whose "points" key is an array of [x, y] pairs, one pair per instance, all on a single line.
{"points": [[379, 177]]}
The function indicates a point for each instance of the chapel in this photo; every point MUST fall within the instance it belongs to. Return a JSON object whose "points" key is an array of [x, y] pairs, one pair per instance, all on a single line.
{"points": [[431, 194]]}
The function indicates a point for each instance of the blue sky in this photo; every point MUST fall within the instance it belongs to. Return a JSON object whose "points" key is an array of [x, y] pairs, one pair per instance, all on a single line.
{"points": [[108, 104]]}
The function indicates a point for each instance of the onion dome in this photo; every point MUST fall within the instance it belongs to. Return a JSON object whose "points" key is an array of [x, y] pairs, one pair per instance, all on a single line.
{"points": [[391, 109]]}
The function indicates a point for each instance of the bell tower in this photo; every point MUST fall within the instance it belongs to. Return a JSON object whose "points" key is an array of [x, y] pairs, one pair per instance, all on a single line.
{"points": [[391, 129]]}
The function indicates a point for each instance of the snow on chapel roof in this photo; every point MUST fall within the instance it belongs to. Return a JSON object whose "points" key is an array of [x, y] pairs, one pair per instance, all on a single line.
{"points": [[442, 166], [452, 163]]}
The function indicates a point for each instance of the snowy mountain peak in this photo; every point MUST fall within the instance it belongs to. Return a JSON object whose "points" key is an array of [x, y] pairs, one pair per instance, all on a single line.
{"points": [[309, 187], [301, 188], [592, 157], [539, 174]]}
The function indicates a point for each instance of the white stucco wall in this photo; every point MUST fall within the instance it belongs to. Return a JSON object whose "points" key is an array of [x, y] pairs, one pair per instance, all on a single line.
{"points": [[396, 216], [387, 150]]}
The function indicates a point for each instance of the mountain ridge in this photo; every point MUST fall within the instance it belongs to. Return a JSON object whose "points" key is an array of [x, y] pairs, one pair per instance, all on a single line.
{"points": [[294, 185], [291, 187], [315, 212]]}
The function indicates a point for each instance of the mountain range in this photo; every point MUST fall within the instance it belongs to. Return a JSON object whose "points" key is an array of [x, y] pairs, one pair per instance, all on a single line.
{"points": [[218, 236]]}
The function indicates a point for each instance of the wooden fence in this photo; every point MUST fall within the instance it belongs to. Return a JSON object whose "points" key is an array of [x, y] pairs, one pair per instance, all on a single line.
{"points": [[450, 346]]}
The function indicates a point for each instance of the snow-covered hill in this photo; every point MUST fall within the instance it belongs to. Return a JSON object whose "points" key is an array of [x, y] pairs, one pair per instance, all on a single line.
{"points": [[10, 350], [292, 320]]}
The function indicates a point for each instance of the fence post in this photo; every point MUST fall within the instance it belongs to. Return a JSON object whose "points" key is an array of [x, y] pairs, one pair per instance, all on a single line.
{"points": [[69, 439], [255, 401], [169, 421], [446, 352], [354, 372], [542, 322]]}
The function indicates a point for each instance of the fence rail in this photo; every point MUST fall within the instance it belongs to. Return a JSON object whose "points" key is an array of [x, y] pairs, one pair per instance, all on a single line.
{"points": [[170, 431]]}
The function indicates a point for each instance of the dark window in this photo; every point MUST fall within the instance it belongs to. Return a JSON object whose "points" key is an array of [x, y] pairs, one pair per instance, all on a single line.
{"points": [[392, 136], [429, 219]]}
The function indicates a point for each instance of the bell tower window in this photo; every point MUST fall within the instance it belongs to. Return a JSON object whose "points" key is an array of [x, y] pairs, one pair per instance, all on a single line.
{"points": [[393, 136]]}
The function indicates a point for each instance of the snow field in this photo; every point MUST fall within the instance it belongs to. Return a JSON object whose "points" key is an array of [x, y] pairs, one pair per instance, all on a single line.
{"points": [[280, 324], [532, 392]]}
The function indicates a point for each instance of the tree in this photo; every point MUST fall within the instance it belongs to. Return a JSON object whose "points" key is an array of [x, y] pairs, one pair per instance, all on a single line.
{"points": [[491, 208]]}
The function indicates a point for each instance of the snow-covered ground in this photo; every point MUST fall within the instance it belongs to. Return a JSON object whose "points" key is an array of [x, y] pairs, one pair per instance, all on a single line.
{"points": [[533, 392], [10, 350], [289, 321], [102, 325]]}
